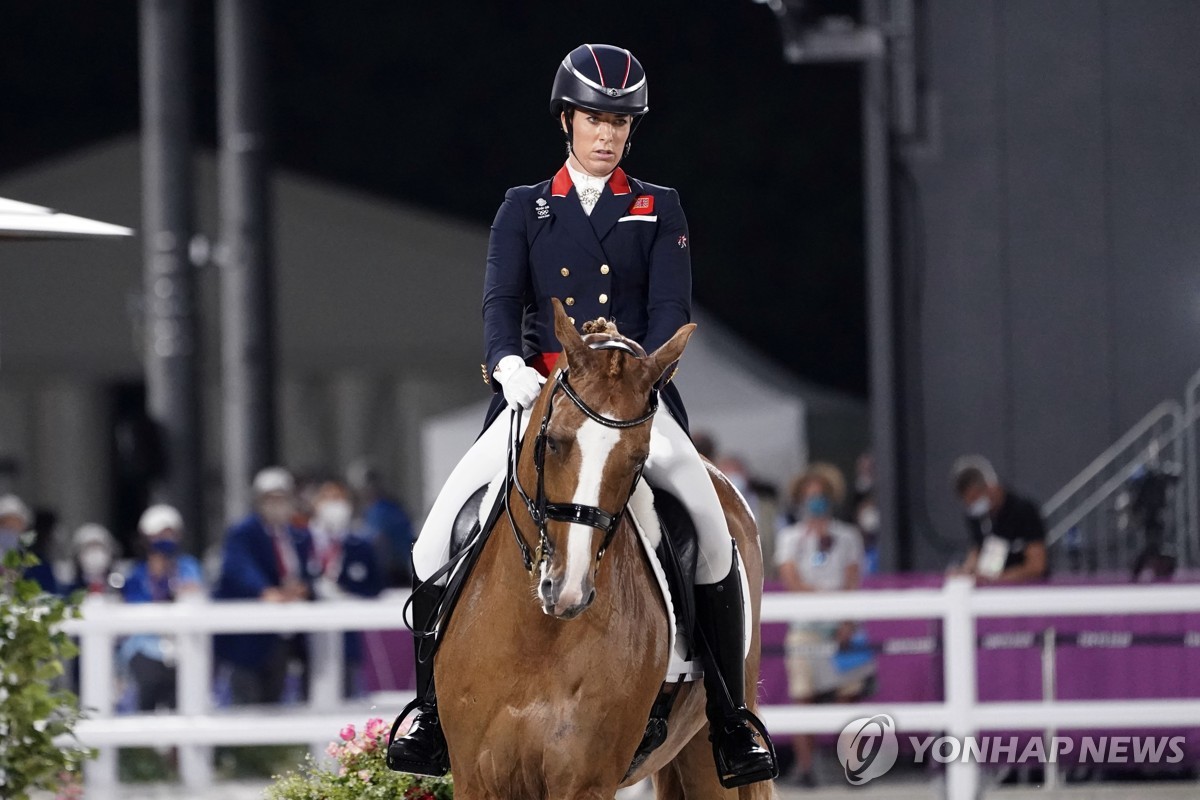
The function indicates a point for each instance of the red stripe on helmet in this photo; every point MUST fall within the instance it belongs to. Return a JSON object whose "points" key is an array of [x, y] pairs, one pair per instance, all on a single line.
{"points": [[628, 64], [593, 52]]}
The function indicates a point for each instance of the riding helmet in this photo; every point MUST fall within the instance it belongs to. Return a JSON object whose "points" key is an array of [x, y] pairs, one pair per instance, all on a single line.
{"points": [[600, 77]]}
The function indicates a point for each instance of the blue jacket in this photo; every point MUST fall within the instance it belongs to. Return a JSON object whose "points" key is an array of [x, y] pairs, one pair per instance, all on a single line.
{"points": [[248, 566], [630, 261], [361, 576], [389, 526]]}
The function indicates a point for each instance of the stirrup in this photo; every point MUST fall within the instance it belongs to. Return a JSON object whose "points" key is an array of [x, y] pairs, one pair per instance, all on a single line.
{"points": [[732, 780], [436, 765]]}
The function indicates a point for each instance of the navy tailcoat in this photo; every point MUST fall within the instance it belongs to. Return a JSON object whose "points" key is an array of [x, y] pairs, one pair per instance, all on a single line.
{"points": [[629, 261]]}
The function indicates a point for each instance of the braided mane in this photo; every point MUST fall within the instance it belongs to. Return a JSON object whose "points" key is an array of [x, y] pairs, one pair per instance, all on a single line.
{"points": [[605, 330]]}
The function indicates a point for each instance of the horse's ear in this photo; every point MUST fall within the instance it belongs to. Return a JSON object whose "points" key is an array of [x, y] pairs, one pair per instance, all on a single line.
{"points": [[662, 359], [572, 343]]}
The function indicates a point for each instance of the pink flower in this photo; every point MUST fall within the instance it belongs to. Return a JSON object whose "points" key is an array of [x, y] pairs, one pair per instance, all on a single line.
{"points": [[376, 727], [352, 749], [333, 750], [369, 745], [365, 774], [347, 733], [342, 772]]}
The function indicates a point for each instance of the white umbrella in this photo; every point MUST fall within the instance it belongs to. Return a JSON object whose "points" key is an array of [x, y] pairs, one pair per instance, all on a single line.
{"points": [[27, 221]]}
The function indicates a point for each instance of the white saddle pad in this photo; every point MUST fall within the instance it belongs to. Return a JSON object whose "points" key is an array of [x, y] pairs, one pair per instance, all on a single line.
{"points": [[646, 522]]}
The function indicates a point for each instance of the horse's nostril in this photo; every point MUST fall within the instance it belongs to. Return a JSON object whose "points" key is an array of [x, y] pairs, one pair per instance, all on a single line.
{"points": [[591, 596], [547, 587]]}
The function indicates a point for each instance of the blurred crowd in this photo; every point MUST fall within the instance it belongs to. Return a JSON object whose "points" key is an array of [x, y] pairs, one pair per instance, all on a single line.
{"points": [[317, 539]]}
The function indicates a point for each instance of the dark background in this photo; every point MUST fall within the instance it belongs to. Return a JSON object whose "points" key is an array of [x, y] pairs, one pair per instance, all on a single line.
{"points": [[444, 105]]}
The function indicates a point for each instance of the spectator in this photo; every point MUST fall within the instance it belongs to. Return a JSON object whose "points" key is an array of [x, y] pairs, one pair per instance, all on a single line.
{"points": [[95, 555], [15, 520], [264, 557], [45, 524], [826, 661], [866, 517], [866, 511], [1008, 536], [349, 563], [385, 523], [164, 575]]}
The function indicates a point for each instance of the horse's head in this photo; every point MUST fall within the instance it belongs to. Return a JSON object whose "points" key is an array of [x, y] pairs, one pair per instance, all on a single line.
{"points": [[593, 437]]}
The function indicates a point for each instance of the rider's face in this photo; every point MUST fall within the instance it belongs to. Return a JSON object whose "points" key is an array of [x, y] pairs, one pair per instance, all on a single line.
{"points": [[598, 140]]}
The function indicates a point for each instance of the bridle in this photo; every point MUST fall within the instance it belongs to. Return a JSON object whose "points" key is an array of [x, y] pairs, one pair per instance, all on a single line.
{"points": [[540, 509]]}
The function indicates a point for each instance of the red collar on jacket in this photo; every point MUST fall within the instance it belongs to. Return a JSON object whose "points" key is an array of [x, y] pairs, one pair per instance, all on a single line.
{"points": [[561, 185]]}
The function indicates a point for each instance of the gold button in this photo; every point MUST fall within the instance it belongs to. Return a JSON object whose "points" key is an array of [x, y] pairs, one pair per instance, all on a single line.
{"points": [[570, 301], [572, 320], [604, 269], [603, 298], [565, 272]]}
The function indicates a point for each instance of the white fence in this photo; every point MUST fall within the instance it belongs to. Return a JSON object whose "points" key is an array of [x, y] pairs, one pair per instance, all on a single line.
{"points": [[197, 726]]}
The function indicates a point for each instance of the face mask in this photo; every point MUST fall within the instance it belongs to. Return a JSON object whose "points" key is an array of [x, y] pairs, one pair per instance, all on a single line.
{"points": [[94, 562], [335, 515], [277, 511], [980, 508], [166, 547], [868, 519], [817, 506]]}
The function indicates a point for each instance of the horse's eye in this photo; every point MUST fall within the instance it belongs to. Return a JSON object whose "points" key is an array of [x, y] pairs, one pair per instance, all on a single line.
{"points": [[552, 444]]}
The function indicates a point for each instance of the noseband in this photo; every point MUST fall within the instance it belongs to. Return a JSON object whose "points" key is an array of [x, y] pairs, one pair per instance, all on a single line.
{"points": [[542, 511]]}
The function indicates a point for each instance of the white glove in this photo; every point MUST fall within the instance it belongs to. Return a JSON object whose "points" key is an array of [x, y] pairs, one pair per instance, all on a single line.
{"points": [[522, 384]]}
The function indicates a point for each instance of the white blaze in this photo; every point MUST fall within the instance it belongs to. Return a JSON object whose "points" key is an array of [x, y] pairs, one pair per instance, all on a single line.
{"points": [[595, 443]]}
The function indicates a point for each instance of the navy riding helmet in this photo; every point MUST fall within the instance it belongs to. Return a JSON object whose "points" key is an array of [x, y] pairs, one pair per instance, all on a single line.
{"points": [[600, 77]]}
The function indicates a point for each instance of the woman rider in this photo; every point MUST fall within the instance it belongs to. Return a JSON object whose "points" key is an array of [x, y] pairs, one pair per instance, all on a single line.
{"points": [[611, 246]]}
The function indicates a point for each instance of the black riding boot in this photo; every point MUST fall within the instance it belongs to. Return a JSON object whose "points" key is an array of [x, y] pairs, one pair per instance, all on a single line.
{"points": [[741, 748], [421, 751]]}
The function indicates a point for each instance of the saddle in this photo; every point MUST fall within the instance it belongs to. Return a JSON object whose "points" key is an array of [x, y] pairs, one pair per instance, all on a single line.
{"points": [[676, 550]]}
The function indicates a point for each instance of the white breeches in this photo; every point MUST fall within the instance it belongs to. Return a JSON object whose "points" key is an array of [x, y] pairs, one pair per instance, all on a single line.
{"points": [[673, 465]]}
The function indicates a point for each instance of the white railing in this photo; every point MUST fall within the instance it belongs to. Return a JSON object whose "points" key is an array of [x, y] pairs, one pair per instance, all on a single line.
{"points": [[957, 604], [1086, 505]]}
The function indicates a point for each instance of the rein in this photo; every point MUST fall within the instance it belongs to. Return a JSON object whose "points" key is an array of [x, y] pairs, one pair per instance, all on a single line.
{"points": [[541, 511]]}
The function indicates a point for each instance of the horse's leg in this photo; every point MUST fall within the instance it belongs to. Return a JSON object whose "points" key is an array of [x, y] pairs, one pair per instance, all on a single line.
{"points": [[692, 774], [667, 785]]}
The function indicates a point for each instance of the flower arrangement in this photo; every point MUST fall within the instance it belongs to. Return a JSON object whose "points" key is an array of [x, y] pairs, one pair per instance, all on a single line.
{"points": [[34, 709], [358, 772]]}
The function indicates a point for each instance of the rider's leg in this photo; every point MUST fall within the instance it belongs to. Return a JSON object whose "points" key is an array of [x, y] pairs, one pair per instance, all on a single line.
{"points": [[422, 750], [483, 462], [675, 465]]}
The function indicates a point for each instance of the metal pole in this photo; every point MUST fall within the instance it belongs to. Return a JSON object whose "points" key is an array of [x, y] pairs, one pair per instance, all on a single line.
{"points": [[1049, 691], [881, 324], [171, 341], [248, 320]]}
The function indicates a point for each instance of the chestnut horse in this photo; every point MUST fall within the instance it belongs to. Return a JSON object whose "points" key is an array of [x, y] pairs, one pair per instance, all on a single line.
{"points": [[537, 699]]}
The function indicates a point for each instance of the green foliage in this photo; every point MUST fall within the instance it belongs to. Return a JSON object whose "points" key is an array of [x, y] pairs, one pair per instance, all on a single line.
{"points": [[358, 772], [257, 761], [34, 709]]}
